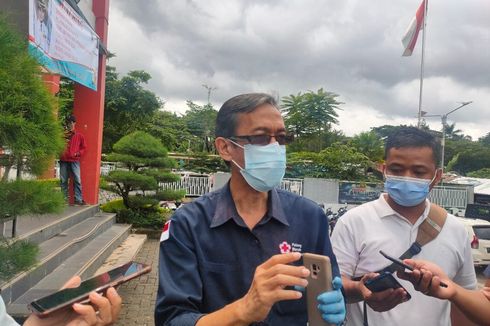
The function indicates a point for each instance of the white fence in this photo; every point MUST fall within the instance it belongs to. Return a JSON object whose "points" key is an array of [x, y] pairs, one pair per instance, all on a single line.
{"points": [[196, 186]]}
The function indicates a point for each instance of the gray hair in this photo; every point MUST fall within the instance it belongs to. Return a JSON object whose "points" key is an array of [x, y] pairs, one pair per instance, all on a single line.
{"points": [[227, 118]]}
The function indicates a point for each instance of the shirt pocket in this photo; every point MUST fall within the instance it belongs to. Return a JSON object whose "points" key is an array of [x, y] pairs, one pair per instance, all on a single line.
{"points": [[222, 267]]}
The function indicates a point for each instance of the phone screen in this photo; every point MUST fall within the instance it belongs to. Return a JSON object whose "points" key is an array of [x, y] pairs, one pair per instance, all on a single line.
{"points": [[97, 283]]}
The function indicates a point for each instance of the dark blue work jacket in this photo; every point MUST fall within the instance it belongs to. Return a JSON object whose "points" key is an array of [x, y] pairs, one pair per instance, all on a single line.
{"points": [[210, 256]]}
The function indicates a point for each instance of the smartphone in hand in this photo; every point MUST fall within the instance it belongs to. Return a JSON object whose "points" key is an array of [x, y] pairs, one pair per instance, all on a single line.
{"points": [[319, 281], [384, 281], [100, 283]]}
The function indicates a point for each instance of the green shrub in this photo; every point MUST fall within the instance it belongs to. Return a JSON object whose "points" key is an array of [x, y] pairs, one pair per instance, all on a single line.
{"points": [[113, 206], [170, 194], [143, 219], [29, 196], [142, 203], [16, 257]]}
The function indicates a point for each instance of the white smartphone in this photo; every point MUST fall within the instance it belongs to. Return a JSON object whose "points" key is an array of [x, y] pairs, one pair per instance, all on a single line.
{"points": [[319, 281]]}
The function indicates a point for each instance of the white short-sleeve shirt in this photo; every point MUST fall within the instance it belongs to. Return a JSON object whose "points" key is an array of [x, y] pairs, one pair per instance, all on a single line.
{"points": [[5, 319], [363, 231]]}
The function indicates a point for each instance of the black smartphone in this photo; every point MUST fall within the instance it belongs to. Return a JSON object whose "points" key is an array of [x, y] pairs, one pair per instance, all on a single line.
{"points": [[383, 282], [396, 261], [100, 283], [405, 266]]}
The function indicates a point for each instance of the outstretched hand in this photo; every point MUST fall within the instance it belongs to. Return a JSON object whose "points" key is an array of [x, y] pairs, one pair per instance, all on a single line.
{"points": [[426, 278], [101, 311], [331, 303]]}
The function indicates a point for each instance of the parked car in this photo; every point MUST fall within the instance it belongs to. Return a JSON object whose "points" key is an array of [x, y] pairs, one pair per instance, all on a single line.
{"points": [[479, 232]]}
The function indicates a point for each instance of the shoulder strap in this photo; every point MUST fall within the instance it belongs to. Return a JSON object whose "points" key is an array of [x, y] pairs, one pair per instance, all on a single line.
{"points": [[432, 225], [429, 229]]}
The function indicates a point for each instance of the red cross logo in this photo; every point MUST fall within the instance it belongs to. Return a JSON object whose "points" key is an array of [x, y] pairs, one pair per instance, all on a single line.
{"points": [[285, 247]]}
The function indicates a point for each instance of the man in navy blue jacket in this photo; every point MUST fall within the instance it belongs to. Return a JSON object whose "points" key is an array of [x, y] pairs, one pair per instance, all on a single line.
{"points": [[232, 257]]}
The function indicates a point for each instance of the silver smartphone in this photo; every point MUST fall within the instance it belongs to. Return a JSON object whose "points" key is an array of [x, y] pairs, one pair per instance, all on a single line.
{"points": [[319, 281]]}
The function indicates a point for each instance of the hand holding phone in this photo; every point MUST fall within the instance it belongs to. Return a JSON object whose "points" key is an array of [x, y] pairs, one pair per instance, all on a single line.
{"points": [[319, 281], [384, 281], [66, 297], [404, 266]]}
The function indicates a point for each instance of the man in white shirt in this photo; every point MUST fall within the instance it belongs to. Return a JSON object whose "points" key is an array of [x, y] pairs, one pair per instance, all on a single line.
{"points": [[391, 223]]}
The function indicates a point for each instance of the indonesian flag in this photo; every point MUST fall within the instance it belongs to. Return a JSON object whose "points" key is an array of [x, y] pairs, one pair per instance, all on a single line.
{"points": [[417, 23], [165, 232]]}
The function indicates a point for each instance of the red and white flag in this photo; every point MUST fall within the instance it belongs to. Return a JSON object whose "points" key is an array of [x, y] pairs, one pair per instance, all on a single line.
{"points": [[165, 232], [417, 23]]}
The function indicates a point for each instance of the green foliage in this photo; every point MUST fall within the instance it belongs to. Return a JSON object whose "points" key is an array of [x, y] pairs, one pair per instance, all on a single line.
{"points": [[454, 147], [66, 98], [143, 219], [370, 144], [128, 106], [170, 194], [204, 163], [200, 121], [28, 196], [16, 257], [28, 127], [171, 130], [139, 153], [485, 140], [136, 181], [482, 173], [140, 144], [310, 116], [339, 161], [113, 206], [470, 160]]}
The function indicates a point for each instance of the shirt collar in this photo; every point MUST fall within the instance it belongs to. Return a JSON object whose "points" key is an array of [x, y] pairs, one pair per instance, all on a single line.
{"points": [[226, 209], [383, 209]]}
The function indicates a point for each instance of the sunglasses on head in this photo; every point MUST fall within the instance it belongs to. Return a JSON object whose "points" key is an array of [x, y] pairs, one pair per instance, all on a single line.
{"points": [[263, 140]]}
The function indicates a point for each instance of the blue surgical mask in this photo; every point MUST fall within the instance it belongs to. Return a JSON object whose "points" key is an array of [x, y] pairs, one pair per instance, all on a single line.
{"points": [[406, 191], [264, 165]]}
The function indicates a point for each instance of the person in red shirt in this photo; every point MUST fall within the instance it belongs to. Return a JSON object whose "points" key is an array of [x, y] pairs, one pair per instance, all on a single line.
{"points": [[70, 160]]}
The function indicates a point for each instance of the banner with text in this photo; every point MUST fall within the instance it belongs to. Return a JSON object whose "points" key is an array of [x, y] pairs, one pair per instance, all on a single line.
{"points": [[359, 192], [63, 42]]}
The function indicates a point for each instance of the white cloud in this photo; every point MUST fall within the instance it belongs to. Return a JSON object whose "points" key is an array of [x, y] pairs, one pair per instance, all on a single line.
{"points": [[350, 47]]}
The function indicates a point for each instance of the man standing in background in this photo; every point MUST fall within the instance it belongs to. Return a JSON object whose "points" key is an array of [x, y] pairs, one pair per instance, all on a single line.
{"points": [[70, 160]]}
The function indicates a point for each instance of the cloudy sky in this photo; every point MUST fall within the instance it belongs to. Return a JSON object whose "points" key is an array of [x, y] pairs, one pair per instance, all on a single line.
{"points": [[351, 47]]}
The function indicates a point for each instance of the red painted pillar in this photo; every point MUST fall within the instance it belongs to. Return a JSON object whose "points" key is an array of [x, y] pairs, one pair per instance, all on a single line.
{"points": [[52, 82], [89, 109]]}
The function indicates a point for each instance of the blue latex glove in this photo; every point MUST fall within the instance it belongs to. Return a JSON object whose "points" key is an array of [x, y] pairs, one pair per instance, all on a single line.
{"points": [[331, 304]]}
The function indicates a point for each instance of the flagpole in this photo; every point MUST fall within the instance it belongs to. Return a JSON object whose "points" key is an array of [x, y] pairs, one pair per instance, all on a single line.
{"points": [[422, 63]]}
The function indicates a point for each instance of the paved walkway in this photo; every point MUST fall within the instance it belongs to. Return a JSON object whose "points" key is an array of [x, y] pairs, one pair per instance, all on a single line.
{"points": [[139, 295]]}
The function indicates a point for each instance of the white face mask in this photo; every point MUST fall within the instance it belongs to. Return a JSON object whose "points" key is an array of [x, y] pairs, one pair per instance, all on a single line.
{"points": [[264, 165]]}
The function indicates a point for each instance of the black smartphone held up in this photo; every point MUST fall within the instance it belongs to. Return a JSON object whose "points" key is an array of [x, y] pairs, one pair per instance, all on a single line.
{"points": [[404, 266], [383, 282], [100, 283], [319, 281]]}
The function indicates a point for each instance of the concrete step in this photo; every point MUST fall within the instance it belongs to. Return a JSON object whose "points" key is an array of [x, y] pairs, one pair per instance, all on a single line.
{"points": [[126, 251], [39, 228], [84, 263], [55, 251]]}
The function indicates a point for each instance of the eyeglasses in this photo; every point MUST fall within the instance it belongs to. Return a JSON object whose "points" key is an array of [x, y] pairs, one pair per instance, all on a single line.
{"points": [[263, 140]]}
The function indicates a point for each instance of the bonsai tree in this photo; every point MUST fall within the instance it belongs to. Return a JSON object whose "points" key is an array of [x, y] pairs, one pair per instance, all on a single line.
{"points": [[144, 164]]}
